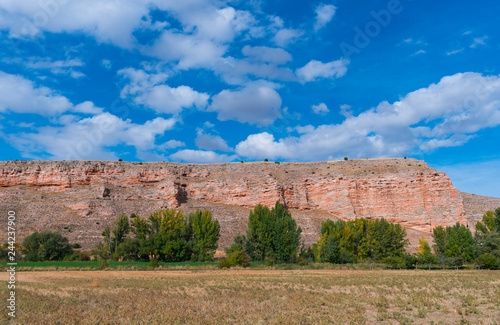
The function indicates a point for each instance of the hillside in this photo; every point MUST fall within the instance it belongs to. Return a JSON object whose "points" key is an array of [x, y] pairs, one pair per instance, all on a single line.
{"points": [[81, 198]]}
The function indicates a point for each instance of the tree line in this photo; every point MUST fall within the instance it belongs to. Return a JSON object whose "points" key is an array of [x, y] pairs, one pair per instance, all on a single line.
{"points": [[272, 236]]}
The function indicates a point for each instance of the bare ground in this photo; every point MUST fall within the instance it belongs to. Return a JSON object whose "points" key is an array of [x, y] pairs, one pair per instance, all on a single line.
{"points": [[257, 297]]}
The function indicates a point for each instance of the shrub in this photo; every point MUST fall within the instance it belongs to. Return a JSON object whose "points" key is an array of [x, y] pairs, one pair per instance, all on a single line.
{"points": [[488, 261], [266, 160], [103, 265], [395, 262], [269, 261], [120, 159], [345, 158], [46, 246], [76, 245], [77, 256], [154, 263], [239, 257], [224, 264]]}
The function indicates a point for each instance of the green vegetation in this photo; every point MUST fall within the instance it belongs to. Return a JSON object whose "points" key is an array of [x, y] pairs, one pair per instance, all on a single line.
{"points": [[165, 236], [358, 240], [273, 234], [46, 246]]}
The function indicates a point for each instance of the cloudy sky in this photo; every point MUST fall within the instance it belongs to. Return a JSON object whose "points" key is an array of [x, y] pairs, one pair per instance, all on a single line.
{"points": [[205, 81]]}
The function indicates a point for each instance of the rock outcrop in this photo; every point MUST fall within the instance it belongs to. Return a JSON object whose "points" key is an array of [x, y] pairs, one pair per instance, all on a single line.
{"points": [[86, 196]]}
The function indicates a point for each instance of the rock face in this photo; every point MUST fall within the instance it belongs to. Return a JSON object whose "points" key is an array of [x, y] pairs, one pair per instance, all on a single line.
{"points": [[86, 196]]}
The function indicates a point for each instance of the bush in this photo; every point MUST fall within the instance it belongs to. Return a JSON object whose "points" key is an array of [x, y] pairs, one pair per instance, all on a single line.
{"points": [[46, 246], [269, 261], [395, 262], [345, 158], [488, 261], [154, 263], [239, 257], [76, 245], [302, 261], [77, 256], [224, 264], [103, 265]]}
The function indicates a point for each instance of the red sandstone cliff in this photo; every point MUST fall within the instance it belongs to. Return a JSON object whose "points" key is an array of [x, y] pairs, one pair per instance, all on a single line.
{"points": [[84, 196]]}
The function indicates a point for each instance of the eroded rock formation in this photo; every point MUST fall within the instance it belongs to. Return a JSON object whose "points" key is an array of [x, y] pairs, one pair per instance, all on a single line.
{"points": [[85, 196]]}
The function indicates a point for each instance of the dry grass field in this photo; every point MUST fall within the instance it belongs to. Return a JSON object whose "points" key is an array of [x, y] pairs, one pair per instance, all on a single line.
{"points": [[257, 297]]}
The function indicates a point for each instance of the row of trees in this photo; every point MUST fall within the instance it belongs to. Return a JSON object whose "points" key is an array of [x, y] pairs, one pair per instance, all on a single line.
{"points": [[165, 236], [357, 240], [273, 236]]}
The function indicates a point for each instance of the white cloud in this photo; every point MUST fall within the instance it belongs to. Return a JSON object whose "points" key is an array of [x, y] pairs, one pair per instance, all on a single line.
{"points": [[324, 14], [87, 138], [205, 37], [479, 41], [267, 54], [286, 36], [254, 104], [147, 90], [171, 144], [454, 52], [317, 69], [441, 115], [108, 21], [200, 157], [321, 109], [420, 52], [106, 64], [58, 67], [20, 95], [211, 142], [262, 146], [345, 110]]}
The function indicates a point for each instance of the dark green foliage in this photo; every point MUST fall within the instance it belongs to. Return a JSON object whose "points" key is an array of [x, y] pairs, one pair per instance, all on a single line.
{"points": [[154, 263], [76, 246], [224, 264], [345, 158], [272, 233], [239, 258], [238, 244], [165, 236], [46, 246], [206, 234], [488, 261], [77, 256], [355, 240], [455, 242], [395, 262]]}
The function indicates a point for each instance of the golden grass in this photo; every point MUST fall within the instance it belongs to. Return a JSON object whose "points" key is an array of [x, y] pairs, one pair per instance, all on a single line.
{"points": [[257, 297]]}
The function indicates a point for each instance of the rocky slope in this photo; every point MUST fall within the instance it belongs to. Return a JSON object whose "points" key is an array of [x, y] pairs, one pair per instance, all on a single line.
{"points": [[80, 198]]}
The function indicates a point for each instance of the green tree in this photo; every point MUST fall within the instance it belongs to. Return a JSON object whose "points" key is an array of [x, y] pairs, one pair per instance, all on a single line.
{"points": [[459, 243], [273, 234], [46, 246], [206, 234]]}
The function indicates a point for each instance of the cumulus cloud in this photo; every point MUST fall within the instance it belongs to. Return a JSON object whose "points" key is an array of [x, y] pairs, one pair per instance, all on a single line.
{"points": [[211, 142], [316, 69], [267, 54], [285, 36], [88, 138], [20, 95], [200, 157], [257, 103], [324, 14], [320, 109], [441, 115], [147, 90], [109, 22]]}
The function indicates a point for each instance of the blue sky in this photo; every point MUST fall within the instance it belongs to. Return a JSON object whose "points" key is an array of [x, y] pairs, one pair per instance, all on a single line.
{"points": [[202, 81]]}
